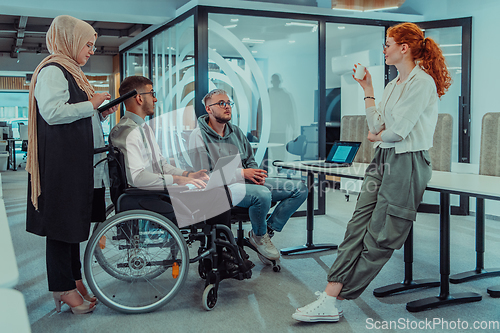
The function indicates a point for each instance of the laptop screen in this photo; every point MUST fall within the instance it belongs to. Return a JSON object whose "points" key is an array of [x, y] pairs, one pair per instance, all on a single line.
{"points": [[343, 152]]}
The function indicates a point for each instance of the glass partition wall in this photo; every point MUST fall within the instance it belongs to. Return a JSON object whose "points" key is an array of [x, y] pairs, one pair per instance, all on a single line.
{"points": [[288, 74], [273, 69], [271, 73]]}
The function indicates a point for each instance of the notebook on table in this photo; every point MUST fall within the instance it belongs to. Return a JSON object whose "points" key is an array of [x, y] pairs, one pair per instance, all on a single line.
{"points": [[341, 154]]}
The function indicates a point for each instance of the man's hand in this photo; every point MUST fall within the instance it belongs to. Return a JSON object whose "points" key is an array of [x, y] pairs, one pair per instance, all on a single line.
{"points": [[181, 180], [201, 174], [258, 176]]}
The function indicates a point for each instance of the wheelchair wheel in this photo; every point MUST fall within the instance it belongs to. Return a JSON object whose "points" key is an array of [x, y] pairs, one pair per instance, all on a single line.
{"points": [[136, 261], [209, 298]]}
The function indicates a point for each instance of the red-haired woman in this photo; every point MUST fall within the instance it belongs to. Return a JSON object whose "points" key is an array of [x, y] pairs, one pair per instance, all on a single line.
{"points": [[401, 128]]}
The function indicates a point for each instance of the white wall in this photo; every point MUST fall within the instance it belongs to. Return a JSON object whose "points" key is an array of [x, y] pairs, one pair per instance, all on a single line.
{"points": [[484, 71]]}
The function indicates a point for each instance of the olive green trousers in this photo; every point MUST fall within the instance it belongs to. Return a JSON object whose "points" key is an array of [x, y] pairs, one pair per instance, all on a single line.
{"points": [[386, 208]]}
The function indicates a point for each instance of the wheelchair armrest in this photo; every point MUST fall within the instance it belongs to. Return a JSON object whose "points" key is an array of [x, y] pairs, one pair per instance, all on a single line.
{"points": [[140, 191]]}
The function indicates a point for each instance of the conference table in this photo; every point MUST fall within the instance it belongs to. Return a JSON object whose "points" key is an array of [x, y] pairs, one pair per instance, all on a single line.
{"points": [[446, 183]]}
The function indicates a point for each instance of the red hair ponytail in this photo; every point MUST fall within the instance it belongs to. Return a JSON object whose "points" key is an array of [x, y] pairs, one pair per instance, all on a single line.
{"points": [[425, 50]]}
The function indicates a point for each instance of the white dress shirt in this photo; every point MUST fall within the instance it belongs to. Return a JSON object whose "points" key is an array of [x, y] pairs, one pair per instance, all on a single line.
{"points": [[52, 95], [129, 136]]}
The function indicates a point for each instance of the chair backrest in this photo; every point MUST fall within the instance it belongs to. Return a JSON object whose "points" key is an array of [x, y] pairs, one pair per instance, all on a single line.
{"points": [[441, 146], [355, 128], [297, 146], [489, 159], [117, 174]]}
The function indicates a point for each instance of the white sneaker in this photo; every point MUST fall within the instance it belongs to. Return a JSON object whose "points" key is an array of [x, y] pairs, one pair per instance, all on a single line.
{"points": [[325, 308], [264, 245]]}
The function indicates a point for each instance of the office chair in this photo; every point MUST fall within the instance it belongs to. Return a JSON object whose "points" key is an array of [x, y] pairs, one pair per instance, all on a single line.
{"points": [[297, 147]]}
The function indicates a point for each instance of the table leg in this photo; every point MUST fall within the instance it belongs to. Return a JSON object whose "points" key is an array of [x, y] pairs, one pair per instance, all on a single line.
{"points": [[444, 297], [479, 272], [408, 283], [309, 246], [14, 166]]}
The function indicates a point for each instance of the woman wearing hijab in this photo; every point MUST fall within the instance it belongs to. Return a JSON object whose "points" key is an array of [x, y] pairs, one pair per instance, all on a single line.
{"points": [[401, 127], [64, 128]]}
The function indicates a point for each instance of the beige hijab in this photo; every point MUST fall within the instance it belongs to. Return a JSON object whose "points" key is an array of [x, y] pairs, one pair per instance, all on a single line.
{"points": [[66, 37]]}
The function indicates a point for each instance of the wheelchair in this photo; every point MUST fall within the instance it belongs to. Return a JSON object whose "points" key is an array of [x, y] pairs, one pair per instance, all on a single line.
{"points": [[137, 260]]}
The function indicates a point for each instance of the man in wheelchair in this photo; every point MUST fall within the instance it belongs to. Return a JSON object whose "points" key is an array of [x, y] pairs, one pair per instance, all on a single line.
{"points": [[146, 168]]}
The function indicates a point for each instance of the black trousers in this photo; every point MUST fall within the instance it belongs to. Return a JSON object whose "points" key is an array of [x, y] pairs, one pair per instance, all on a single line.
{"points": [[63, 259], [63, 265]]}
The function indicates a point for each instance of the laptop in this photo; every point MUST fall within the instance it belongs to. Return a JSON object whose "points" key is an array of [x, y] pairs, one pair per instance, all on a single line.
{"points": [[341, 155], [224, 173]]}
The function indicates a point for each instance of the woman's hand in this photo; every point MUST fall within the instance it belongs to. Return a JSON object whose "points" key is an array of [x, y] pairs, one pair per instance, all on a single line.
{"points": [[258, 176], [201, 174], [366, 82], [374, 137], [99, 98], [109, 111]]}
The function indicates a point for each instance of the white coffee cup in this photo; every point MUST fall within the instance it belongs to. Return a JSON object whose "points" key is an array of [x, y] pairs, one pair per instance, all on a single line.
{"points": [[360, 72]]}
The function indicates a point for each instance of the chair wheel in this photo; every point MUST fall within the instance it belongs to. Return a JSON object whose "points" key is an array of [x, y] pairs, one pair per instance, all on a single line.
{"points": [[209, 298], [277, 268], [264, 260]]}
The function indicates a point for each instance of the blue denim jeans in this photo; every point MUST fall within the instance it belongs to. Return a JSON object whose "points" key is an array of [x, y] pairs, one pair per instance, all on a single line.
{"points": [[290, 193]]}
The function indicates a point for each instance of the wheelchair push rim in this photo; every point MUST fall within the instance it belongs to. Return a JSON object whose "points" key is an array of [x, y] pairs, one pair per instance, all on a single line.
{"points": [[136, 261]]}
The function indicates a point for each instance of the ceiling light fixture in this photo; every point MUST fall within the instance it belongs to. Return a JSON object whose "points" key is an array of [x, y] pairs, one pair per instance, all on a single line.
{"points": [[235, 20], [230, 26], [385, 8], [301, 24], [341, 27], [256, 41], [366, 5]]}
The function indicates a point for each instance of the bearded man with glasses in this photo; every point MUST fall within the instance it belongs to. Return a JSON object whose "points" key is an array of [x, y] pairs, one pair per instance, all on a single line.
{"points": [[217, 137]]}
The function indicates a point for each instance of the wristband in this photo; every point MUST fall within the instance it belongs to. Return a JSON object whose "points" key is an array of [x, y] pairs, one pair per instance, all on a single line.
{"points": [[187, 174], [370, 97]]}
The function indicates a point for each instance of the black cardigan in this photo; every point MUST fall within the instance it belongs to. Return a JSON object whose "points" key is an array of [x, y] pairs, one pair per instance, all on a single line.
{"points": [[65, 157]]}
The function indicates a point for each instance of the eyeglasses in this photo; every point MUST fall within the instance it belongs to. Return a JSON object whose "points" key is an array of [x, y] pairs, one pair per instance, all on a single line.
{"points": [[385, 46], [223, 104], [153, 93], [91, 47]]}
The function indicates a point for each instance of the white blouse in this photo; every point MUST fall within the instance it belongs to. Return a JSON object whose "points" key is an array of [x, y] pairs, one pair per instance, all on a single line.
{"points": [[408, 110]]}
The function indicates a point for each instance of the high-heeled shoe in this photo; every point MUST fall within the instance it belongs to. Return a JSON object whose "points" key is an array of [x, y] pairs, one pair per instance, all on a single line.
{"points": [[83, 289], [85, 307], [91, 299]]}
